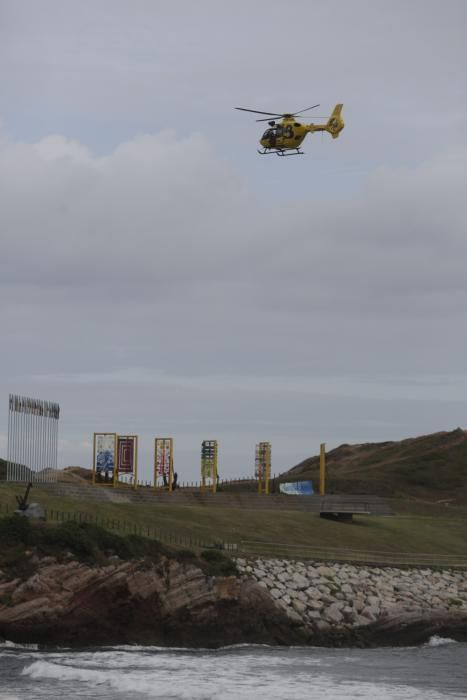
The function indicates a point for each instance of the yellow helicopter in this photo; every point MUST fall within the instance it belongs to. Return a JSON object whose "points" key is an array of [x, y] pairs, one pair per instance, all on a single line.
{"points": [[285, 138]]}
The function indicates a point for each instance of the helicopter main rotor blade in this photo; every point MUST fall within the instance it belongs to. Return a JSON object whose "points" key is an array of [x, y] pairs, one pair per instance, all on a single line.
{"points": [[304, 110], [287, 114], [255, 111]]}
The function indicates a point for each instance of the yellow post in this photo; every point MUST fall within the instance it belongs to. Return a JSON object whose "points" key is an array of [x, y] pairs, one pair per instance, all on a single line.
{"points": [[322, 469], [114, 480], [171, 465], [267, 466], [135, 476], [214, 469], [155, 464], [94, 460]]}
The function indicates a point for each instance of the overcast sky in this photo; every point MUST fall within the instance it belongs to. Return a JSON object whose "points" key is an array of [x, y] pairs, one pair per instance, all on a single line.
{"points": [[159, 277]]}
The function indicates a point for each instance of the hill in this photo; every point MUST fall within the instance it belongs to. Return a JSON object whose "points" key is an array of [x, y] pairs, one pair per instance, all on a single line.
{"points": [[432, 467]]}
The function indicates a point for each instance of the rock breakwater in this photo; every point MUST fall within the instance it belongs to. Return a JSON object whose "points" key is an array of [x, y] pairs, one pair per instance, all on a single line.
{"points": [[329, 597], [177, 603]]}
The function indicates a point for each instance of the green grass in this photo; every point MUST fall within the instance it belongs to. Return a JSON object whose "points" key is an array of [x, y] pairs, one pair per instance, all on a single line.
{"points": [[22, 539], [418, 528]]}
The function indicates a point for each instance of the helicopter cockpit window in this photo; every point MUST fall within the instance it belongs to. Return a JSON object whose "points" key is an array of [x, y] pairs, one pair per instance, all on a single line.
{"points": [[273, 133]]}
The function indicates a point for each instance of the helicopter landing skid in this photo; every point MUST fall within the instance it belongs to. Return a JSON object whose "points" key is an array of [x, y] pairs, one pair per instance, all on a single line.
{"points": [[281, 152]]}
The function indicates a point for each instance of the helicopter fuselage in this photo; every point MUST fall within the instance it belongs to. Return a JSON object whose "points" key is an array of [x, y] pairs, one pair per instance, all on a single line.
{"points": [[286, 137]]}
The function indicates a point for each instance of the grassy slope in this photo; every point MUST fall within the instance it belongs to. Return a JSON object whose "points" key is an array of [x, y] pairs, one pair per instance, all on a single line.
{"points": [[420, 529], [20, 538], [432, 467]]}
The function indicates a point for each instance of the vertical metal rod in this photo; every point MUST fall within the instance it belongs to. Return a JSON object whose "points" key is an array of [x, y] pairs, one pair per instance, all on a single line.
{"points": [[33, 441], [51, 456], [17, 446], [49, 443], [10, 440], [57, 408], [27, 438], [24, 440], [22, 451], [8, 447], [13, 438], [44, 428], [17, 420], [47, 473], [37, 441], [32, 432]]}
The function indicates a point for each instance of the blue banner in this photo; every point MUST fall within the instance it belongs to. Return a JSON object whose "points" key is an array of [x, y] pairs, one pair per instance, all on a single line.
{"points": [[297, 488]]}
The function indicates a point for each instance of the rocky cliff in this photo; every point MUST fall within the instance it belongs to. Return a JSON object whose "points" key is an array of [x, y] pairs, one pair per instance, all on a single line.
{"points": [[177, 604], [168, 603]]}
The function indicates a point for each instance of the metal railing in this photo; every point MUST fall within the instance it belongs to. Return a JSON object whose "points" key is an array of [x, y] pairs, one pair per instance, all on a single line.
{"points": [[258, 548], [357, 556], [122, 527]]}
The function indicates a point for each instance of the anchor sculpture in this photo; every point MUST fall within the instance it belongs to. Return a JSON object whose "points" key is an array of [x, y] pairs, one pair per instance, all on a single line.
{"points": [[29, 510], [22, 501]]}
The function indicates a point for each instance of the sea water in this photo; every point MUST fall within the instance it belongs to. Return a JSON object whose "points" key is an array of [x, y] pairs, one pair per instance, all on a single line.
{"points": [[431, 672]]}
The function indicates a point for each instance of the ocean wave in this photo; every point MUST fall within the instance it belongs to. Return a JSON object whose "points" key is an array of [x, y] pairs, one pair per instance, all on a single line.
{"points": [[214, 681], [12, 645], [437, 641]]}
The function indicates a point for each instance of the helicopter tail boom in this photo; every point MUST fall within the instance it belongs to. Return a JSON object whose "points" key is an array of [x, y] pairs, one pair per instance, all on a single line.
{"points": [[334, 124]]}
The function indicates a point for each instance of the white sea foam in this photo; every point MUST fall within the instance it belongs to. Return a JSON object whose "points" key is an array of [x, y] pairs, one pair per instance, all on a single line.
{"points": [[437, 641], [242, 678], [12, 645]]}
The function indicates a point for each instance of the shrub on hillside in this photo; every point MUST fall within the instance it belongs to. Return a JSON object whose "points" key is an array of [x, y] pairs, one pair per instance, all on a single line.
{"points": [[218, 564], [15, 530]]}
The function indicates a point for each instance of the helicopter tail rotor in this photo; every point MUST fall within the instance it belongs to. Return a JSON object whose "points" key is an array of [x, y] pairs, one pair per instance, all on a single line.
{"points": [[335, 123]]}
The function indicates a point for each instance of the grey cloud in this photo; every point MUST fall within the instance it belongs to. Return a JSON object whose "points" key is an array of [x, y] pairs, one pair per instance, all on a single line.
{"points": [[157, 276]]}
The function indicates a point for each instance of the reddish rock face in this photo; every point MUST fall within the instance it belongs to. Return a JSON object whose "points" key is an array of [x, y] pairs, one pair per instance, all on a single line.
{"points": [[128, 602], [177, 604]]}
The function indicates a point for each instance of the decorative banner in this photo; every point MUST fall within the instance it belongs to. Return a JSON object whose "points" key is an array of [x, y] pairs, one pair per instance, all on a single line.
{"points": [[126, 454], [297, 488], [105, 447], [208, 458], [163, 461], [263, 466], [209, 463]]}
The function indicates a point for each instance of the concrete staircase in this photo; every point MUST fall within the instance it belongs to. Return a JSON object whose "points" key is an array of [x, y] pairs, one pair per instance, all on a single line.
{"points": [[186, 497]]}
